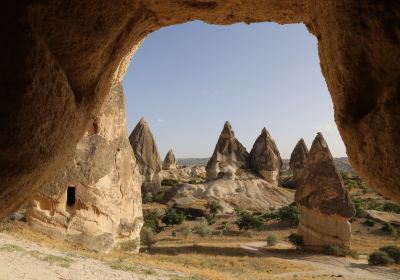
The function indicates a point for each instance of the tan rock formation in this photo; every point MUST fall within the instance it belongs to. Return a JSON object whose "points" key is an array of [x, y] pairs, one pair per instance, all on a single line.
{"points": [[95, 200], [229, 156], [298, 160], [60, 59], [248, 192], [265, 158], [146, 152], [169, 160], [324, 203]]}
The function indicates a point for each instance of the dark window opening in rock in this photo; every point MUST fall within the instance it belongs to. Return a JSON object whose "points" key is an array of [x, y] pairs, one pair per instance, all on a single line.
{"points": [[71, 196]]}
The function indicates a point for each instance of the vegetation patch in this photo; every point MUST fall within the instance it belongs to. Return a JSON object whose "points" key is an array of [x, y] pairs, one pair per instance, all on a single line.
{"points": [[247, 220], [341, 251]]}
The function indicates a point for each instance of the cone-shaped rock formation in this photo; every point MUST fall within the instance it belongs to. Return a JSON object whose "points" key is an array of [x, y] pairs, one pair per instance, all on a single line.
{"points": [[229, 155], [324, 203], [95, 199], [298, 160], [265, 158], [147, 156], [169, 161]]}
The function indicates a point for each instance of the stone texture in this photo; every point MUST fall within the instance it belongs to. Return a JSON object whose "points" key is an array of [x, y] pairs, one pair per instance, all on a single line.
{"points": [[60, 59], [324, 203], [247, 191], [169, 161], [265, 158], [298, 160], [383, 217], [229, 157], [146, 152], [107, 205]]}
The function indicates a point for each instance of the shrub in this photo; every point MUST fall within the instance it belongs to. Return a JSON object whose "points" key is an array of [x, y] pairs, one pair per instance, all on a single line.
{"points": [[147, 198], [172, 218], [159, 197], [211, 219], [213, 207], [170, 182], [250, 234], [391, 207], [147, 237], [185, 231], [151, 220], [289, 214], [359, 206], [272, 240], [247, 221], [389, 228], [380, 258], [369, 222], [393, 252], [341, 251], [203, 228], [296, 240]]}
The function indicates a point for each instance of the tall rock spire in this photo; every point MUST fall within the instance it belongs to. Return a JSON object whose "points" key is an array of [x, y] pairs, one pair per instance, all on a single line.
{"points": [[298, 160], [265, 158], [169, 161], [324, 203], [229, 155], [147, 156]]}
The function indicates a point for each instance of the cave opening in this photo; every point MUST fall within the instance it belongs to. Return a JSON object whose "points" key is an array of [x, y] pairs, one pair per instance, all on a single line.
{"points": [[71, 199]]}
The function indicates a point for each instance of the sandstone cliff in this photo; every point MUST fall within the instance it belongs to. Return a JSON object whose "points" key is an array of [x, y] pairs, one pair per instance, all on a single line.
{"points": [[147, 156], [95, 199]]}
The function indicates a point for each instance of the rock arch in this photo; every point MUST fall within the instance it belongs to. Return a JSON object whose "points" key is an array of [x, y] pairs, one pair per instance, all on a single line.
{"points": [[60, 59]]}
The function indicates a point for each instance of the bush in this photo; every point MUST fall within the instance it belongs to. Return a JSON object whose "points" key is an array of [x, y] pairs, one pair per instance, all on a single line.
{"points": [[147, 237], [369, 222], [296, 240], [359, 206], [380, 258], [272, 240], [185, 231], [340, 251], [250, 234], [170, 182], [289, 214], [152, 219], [393, 252], [172, 218], [147, 198], [213, 207], [247, 221], [389, 228], [203, 228], [391, 207]]}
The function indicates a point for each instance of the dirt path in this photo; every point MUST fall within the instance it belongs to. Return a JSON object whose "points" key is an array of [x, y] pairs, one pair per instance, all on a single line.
{"points": [[23, 260], [327, 265]]}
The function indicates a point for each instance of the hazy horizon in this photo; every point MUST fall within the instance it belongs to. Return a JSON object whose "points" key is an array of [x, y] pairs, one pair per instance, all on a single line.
{"points": [[187, 80]]}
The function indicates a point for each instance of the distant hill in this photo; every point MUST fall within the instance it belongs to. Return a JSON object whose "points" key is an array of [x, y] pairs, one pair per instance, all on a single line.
{"points": [[342, 163]]}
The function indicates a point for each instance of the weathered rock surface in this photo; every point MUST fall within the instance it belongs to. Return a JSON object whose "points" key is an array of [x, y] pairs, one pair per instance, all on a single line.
{"points": [[169, 160], [229, 157], [60, 59], [383, 217], [185, 174], [146, 152], [324, 203], [95, 199], [298, 160], [247, 192], [265, 158]]}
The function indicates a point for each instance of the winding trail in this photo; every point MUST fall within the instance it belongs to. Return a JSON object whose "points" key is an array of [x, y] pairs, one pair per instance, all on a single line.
{"points": [[327, 265]]}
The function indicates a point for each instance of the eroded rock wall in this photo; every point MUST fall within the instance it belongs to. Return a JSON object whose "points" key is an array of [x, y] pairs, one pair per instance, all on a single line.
{"points": [[60, 59], [95, 200]]}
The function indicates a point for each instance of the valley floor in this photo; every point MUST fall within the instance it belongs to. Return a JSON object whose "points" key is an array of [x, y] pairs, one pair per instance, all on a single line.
{"points": [[25, 254]]}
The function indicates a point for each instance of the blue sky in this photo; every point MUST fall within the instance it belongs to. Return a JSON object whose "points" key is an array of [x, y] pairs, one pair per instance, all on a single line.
{"points": [[187, 80]]}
